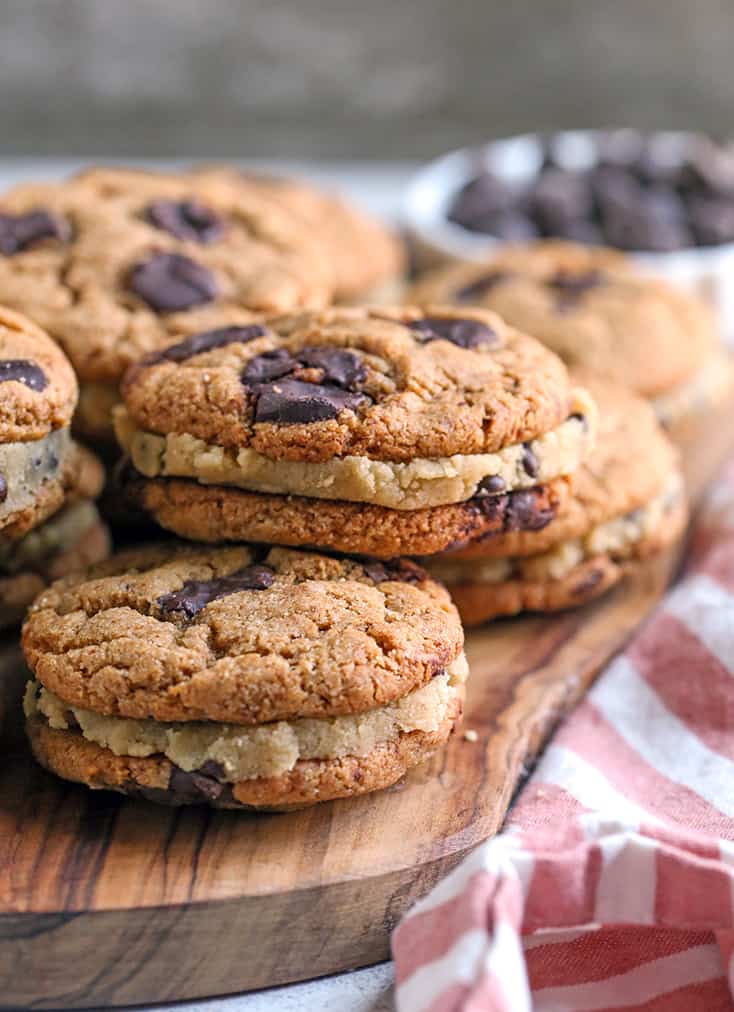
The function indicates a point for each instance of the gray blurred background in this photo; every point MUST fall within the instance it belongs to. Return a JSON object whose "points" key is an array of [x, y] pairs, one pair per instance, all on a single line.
{"points": [[352, 79]]}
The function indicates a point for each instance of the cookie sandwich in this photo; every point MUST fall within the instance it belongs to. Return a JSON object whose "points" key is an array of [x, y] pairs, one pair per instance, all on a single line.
{"points": [[373, 431], [597, 312], [628, 503], [47, 481], [241, 677], [115, 263]]}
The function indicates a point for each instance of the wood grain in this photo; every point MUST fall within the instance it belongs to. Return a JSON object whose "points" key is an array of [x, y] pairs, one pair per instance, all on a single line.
{"points": [[108, 902]]}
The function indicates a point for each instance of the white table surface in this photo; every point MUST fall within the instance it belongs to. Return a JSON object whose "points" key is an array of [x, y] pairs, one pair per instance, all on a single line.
{"points": [[377, 187]]}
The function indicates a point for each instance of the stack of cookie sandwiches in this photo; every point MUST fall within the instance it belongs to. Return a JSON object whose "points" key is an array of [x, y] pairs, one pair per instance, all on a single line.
{"points": [[242, 677], [48, 521], [116, 263], [627, 504], [597, 312]]}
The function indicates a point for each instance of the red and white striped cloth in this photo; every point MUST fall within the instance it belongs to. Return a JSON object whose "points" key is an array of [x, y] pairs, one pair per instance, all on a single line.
{"points": [[612, 886]]}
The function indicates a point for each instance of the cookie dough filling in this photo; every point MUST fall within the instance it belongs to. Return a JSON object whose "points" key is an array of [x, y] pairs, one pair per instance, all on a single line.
{"points": [[708, 385], [404, 486], [265, 750], [616, 538], [24, 467], [56, 535]]}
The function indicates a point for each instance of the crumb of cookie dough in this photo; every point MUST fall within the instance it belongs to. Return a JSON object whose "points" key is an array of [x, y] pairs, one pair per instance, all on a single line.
{"points": [[266, 750], [403, 486]]}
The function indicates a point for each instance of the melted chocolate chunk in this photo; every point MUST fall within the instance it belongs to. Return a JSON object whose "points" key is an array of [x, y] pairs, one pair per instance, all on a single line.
{"points": [[481, 286], [462, 333], [269, 366], [530, 463], [290, 402], [23, 371], [206, 341], [588, 583], [570, 287], [342, 368], [490, 485], [186, 219], [195, 595], [194, 786], [401, 570], [282, 397], [19, 231], [169, 282], [519, 511], [3, 488]]}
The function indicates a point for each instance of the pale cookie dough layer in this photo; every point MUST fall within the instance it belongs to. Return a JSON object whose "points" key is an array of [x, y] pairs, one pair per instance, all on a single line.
{"points": [[616, 538], [707, 387], [246, 753], [403, 486], [26, 466]]}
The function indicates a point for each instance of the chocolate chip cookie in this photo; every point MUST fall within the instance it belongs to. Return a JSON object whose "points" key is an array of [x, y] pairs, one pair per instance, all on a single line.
{"points": [[397, 408], [68, 540], [628, 503], [367, 259], [242, 676], [39, 394], [115, 263], [591, 307]]}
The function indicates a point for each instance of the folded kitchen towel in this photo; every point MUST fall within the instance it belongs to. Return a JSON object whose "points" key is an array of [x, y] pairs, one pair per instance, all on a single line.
{"points": [[612, 886]]}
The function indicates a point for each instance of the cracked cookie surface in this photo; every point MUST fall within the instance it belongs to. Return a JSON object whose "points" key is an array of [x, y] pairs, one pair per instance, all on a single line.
{"points": [[591, 307], [179, 633]]}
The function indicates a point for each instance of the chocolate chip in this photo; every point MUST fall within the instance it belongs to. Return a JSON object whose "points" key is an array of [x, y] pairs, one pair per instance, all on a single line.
{"points": [[190, 788], [283, 399], [290, 402], [3, 488], [19, 231], [570, 287], [197, 594], [212, 768], [530, 463], [269, 366], [462, 333], [206, 341], [578, 417], [481, 286], [588, 583], [560, 198], [169, 282], [481, 197], [186, 219], [490, 485], [23, 371], [342, 368], [712, 220], [524, 513], [400, 570]]}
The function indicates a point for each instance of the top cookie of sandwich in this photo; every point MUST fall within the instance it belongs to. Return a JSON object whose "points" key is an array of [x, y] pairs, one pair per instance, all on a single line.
{"points": [[114, 262], [591, 307], [240, 634], [37, 385], [364, 253], [389, 384]]}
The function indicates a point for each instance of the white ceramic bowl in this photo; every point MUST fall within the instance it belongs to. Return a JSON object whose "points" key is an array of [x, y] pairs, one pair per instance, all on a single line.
{"points": [[708, 271]]}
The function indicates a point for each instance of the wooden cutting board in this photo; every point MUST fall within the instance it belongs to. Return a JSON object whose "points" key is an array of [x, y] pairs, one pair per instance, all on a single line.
{"points": [[108, 902]]}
